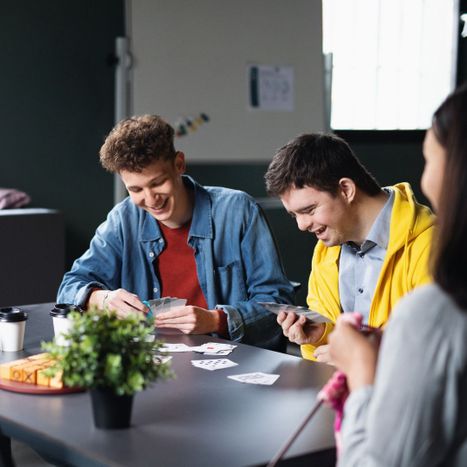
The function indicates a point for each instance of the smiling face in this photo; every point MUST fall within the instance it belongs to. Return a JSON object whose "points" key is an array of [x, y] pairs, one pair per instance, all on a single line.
{"points": [[329, 217], [433, 172], [159, 190]]}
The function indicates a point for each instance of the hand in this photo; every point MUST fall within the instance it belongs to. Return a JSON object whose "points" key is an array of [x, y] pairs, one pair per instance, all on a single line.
{"points": [[322, 354], [120, 300], [298, 329], [189, 320], [353, 353]]}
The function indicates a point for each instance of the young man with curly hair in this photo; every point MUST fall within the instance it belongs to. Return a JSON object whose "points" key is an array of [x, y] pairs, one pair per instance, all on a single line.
{"points": [[373, 243], [174, 237]]}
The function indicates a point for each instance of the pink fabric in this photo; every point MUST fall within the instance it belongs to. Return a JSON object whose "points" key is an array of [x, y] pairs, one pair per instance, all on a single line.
{"points": [[335, 392], [11, 198]]}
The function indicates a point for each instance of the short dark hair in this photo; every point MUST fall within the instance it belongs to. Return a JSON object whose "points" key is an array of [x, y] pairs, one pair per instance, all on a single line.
{"points": [[136, 142], [449, 253], [319, 161]]}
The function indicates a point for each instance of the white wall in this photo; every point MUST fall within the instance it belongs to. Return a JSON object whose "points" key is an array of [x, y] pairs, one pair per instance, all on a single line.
{"points": [[192, 56]]}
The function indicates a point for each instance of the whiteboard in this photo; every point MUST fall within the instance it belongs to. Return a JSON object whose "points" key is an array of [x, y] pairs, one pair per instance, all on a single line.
{"points": [[192, 56]]}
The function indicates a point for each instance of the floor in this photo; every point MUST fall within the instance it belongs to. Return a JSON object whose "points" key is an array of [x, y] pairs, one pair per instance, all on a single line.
{"points": [[24, 456]]}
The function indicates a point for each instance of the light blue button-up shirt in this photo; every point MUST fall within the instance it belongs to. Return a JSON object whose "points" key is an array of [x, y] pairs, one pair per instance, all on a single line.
{"points": [[359, 268]]}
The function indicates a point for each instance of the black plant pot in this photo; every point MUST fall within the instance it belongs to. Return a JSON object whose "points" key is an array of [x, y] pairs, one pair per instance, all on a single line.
{"points": [[111, 410]]}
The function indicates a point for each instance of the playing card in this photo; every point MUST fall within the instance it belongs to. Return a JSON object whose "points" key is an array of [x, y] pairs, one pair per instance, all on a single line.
{"points": [[161, 358], [160, 305], [214, 348], [218, 352], [214, 364], [150, 338], [168, 347], [310, 315], [255, 378]]}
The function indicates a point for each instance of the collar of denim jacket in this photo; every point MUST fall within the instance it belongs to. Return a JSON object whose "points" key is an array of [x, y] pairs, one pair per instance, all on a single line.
{"points": [[201, 221]]}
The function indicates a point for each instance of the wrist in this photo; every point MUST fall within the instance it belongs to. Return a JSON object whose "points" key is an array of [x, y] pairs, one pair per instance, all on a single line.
{"points": [[360, 378], [98, 298], [220, 321], [363, 369], [318, 335], [105, 299]]}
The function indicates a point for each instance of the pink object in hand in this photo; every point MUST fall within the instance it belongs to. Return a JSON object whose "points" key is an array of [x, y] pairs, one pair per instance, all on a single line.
{"points": [[335, 392]]}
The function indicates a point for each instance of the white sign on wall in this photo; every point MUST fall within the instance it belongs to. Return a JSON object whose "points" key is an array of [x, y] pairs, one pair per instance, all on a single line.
{"points": [[271, 87]]}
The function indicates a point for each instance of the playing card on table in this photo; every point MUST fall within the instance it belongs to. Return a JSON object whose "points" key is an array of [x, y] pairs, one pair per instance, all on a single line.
{"points": [[161, 358], [168, 347], [213, 364], [214, 348], [220, 353], [255, 378]]}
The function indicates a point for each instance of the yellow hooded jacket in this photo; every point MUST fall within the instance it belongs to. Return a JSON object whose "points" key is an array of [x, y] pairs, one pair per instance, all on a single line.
{"points": [[404, 268]]}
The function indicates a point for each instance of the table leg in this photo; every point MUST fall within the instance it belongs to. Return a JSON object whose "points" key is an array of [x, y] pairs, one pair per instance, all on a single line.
{"points": [[6, 458]]}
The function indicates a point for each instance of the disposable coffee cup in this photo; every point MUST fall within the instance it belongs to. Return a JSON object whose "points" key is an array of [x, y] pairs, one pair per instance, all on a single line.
{"points": [[61, 321], [12, 327]]}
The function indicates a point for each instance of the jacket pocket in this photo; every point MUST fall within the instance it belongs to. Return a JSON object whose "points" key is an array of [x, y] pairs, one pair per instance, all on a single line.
{"points": [[230, 284]]}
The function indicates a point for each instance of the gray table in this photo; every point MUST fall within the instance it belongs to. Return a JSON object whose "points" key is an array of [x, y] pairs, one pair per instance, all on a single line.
{"points": [[201, 418]]}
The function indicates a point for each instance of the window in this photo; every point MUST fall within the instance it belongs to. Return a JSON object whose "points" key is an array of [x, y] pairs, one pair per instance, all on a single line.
{"points": [[393, 61]]}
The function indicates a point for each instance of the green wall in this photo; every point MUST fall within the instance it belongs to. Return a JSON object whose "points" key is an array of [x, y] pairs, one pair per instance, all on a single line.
{"points": [[56, 106]]}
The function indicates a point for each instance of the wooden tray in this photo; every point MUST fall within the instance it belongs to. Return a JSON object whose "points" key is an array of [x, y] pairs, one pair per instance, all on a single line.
{"points": [[15, 386]]}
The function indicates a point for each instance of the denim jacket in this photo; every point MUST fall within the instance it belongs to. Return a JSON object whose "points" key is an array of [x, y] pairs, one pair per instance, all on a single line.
{"points": [[236, 260]]}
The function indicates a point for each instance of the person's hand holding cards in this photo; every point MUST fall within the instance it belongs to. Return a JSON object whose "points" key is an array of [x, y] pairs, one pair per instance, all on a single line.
{"points": [[299, 324], [172, 313]]}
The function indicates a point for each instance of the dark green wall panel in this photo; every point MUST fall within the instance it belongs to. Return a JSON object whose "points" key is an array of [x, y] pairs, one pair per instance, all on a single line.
{"points": [[57, 95]]}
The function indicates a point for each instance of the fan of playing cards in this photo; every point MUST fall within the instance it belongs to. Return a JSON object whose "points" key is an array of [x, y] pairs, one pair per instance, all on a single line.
{"points": [[159, 305], [310, 315]]}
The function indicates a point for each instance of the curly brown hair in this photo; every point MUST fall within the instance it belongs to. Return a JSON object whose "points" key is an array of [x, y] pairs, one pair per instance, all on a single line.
{"points": [[136, 142]]}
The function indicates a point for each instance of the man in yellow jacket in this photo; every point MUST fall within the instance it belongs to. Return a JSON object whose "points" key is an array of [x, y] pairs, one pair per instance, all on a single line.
{"points": [[373, 243]]}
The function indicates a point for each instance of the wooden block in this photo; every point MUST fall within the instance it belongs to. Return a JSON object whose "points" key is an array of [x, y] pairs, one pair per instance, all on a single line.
{"points": [[42, 380], [16, 371], [56, 381], [29, 373], [39, 357], [5, 368]]}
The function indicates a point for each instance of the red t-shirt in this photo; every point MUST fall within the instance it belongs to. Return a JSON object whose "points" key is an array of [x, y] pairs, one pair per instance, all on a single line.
{"points": [[177, 267]]}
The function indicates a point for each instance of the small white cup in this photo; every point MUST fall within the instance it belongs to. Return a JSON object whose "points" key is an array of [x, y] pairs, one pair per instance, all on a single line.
{"points": [[62, 324], [12, 327], [61, 327]]}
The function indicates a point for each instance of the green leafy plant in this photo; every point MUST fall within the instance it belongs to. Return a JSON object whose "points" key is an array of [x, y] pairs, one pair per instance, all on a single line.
{"points": [[107, 352]]}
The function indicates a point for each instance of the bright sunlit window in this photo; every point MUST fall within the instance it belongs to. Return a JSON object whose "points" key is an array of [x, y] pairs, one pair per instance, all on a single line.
{"points": [[393, 61]]}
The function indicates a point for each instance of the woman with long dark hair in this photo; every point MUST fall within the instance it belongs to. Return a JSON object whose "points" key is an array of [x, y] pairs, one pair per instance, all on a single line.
{"points": [[408, 404]]}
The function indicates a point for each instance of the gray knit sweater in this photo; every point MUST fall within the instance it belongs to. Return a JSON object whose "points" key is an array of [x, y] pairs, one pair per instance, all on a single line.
{"points": [[416, 413]]}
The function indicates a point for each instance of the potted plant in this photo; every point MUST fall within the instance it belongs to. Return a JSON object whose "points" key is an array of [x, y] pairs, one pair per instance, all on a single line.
{"points": [[110, 356]]}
